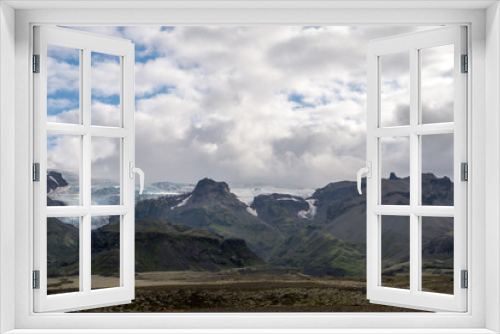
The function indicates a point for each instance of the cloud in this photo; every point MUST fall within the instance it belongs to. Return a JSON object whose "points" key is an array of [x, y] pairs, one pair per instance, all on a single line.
{"points": [[255, 105], [71, 116], [60, 103], [105, 75], [105, 114], [105, 157], [395, 156], [62, 76], [437, 155], [63, 152]]}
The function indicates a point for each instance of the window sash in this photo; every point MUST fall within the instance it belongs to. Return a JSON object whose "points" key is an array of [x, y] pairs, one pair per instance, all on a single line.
{"points": [[414, 298], [86, 297]]}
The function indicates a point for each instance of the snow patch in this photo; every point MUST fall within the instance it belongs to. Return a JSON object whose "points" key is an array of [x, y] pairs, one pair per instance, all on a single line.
{"points": [[52, 178], [309, 214], [181, 203], [247, 195], [288, 199], [251, 211]]}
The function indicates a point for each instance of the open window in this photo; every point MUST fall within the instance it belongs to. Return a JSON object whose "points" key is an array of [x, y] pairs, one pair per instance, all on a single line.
{"points": [[420, 131], [93, 137]]}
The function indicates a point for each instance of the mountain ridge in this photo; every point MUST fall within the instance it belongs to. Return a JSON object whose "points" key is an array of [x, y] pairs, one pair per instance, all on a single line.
{"points": [[324, 234]]}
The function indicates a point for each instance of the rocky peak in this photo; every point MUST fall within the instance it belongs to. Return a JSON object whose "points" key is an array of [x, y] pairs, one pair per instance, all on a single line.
{"points": [[393, 176], [210, 191], [55, 180], [337, 191]]}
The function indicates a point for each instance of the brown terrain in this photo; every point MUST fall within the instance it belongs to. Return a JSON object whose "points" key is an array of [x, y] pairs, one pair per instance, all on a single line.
{"points": [[248, 291]]}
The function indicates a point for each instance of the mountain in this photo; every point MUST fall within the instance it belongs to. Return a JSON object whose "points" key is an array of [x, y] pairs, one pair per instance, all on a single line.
{"points": [[336, 240], [209, 228], [287, 213], [62, 248], [319, 252], [55, 180], [159, 246], [212, 207]]}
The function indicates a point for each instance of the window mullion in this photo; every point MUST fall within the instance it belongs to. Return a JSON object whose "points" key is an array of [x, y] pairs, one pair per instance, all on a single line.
{"points": [[414, 172], [86, 248]]}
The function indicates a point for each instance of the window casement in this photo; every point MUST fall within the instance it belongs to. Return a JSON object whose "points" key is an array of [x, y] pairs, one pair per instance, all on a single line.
{"points": [[414, 134], [85, 135], [413, 130], [482, 274]]}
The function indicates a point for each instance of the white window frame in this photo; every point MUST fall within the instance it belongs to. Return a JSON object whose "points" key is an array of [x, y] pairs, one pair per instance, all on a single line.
{"points": [[413, 43], [483, 20], [124, 50]]}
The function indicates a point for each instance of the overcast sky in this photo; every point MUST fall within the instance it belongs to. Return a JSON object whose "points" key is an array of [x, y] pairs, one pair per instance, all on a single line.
{"points": [[245, 105]]}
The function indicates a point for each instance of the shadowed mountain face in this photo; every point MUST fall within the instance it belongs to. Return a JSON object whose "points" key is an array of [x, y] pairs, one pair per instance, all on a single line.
{"points": [[62, 248], [55, 180], [286, 213], [160, 246]]}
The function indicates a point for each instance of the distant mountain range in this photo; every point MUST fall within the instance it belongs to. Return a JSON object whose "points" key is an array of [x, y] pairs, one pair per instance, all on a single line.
{"points": [[209, 228]]}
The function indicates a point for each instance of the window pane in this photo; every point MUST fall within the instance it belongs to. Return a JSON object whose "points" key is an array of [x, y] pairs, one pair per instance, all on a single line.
{"points": [[437, 254], [395, 170], [395, 89], [395, 251], [106, 171], [63, 255], [63, 84], [106, 76], [437, 169], [105, 252], [437, 84], [63, 170]]}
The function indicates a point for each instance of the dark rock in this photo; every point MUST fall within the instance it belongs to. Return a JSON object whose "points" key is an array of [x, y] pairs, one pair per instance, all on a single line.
{"points": [[55, 180]]}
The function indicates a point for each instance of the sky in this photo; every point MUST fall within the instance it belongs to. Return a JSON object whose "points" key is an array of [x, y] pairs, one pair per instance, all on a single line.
{"points": [[283, 106]]}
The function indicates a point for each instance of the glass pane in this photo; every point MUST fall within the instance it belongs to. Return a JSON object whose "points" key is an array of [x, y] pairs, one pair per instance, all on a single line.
{"points": [[63, 255], [437, 84], [437, 254], [63, 170], [395, 251], [437, 169], [395, 89], [105, 252], [106, 171], [395, 170], [106, 87], [63, 84]]}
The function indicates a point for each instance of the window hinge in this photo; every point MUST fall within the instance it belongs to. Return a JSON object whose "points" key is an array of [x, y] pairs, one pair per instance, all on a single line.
{"points": [[36, 63], [464, 171], [465, 64], [465, 279], [36, 172], [36, 279]]}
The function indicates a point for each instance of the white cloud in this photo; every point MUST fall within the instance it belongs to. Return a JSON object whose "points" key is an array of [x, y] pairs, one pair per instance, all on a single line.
{"points": [[105, 157], [104, 114], [62, 76], [59, 103], [63, 153], [105, 76], [71, 116]]}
